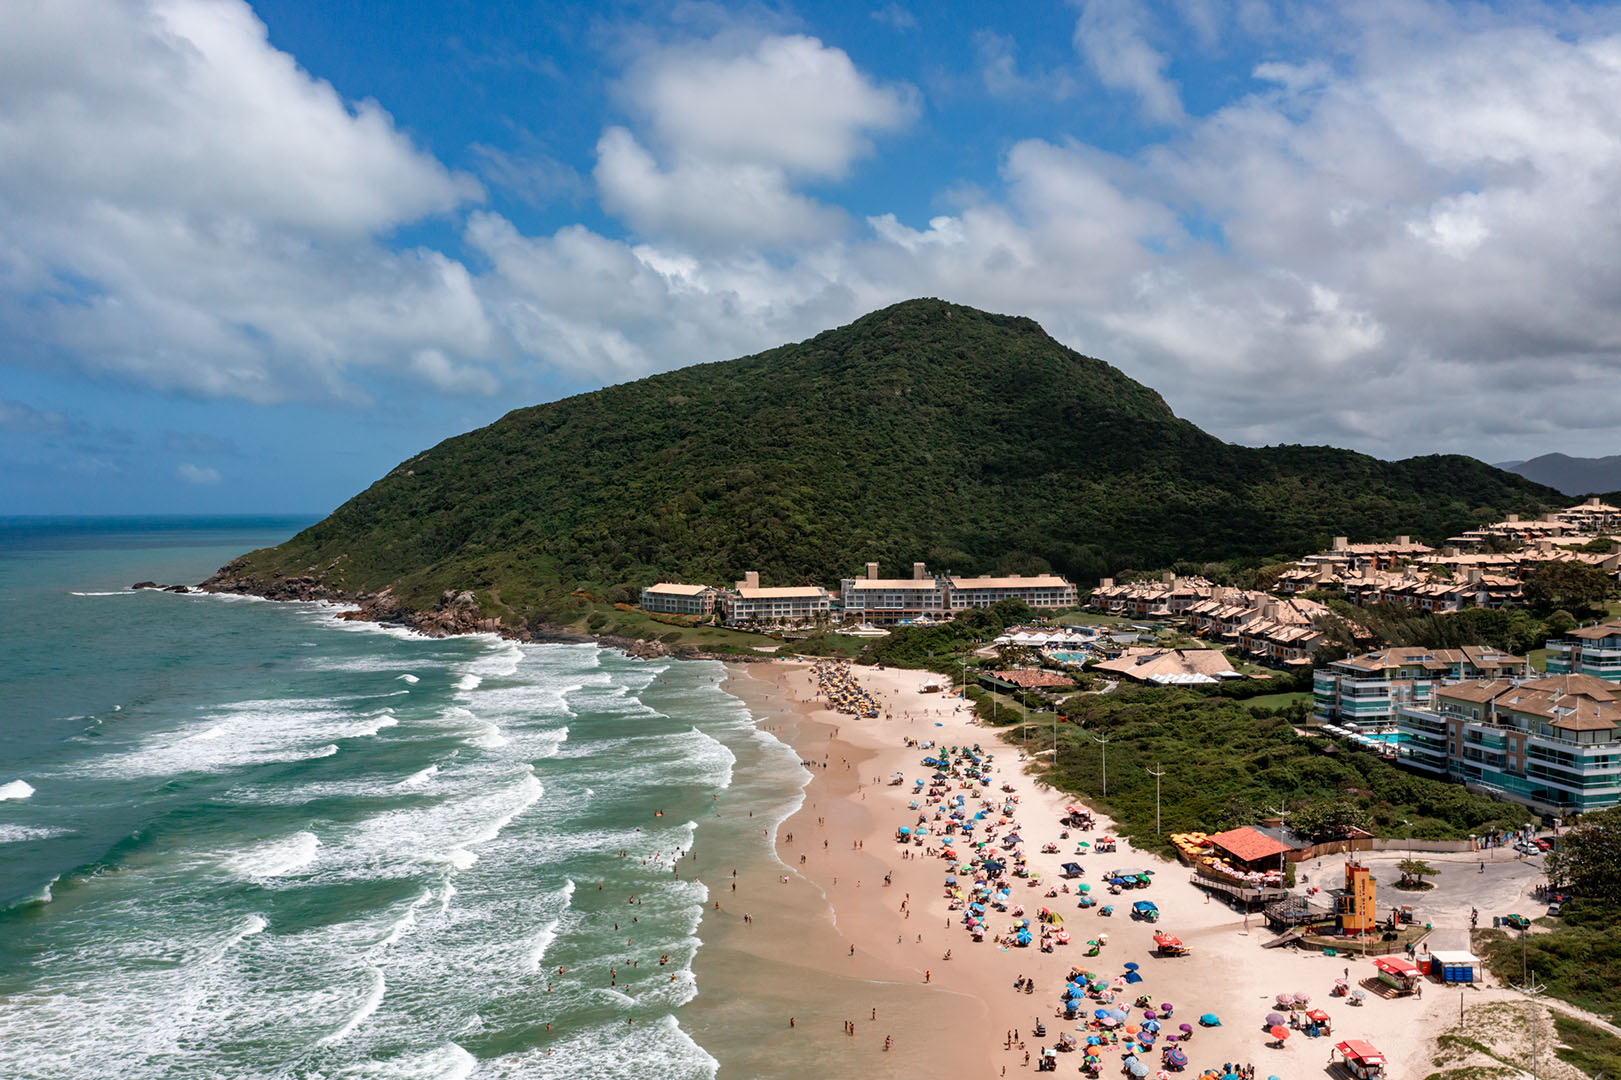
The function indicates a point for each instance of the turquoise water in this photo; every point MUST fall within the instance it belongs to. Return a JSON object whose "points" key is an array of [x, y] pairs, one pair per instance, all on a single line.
{"points": [[1391, 737], [249, 839], [1072, 657]]}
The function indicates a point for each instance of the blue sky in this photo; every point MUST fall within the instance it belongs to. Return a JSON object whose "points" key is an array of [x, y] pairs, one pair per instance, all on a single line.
{"points": [[253, 256]]}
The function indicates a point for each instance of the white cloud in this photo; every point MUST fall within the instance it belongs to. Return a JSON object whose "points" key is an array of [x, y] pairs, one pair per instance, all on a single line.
{"points": [[199, 214], [1110, 35], [1003, 77], [201, 475], [440, 371], [787, 101]]}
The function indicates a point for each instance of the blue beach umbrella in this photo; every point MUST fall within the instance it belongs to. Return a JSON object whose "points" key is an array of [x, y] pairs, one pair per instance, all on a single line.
{"points": [[1210, 1020]]}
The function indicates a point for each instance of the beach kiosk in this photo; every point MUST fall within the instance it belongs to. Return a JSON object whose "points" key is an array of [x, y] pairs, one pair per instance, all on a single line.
{"points": [[1362, 1059], [1455, 967], [1168, 945], [1401, 975]]}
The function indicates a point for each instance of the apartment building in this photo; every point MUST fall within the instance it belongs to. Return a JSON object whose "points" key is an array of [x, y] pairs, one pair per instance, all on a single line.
{"points": [[1589, 650], [886, 601], [747, 603], [1550, 744], [1366, 690], [673, 598], [1037, 590]]}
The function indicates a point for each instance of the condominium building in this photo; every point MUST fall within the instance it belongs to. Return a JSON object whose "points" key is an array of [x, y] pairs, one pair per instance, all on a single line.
{"points": [[1039, 591], [748, 603], [672, 598], [1550, 744], [885, 601], [1366, 690], [1589, 650]]}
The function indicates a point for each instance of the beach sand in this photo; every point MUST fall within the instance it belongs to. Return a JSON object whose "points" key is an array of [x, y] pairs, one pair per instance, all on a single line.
{"points": [[795, 959]]}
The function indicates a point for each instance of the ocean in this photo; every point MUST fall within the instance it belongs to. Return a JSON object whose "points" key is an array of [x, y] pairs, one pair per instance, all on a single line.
{"points": [[241, 838]]}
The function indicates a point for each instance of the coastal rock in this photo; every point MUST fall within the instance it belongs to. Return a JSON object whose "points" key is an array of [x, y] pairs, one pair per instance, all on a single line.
{"points": [[176, 589], [144, 585]]}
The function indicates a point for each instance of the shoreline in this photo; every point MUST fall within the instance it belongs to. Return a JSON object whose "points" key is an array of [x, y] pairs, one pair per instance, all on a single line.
{"points": [[969, 1001]]}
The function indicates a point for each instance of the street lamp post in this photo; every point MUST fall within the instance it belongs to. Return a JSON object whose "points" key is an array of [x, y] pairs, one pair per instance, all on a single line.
{"points": [[1156, 772], [1104, 742], [1532, 990]]}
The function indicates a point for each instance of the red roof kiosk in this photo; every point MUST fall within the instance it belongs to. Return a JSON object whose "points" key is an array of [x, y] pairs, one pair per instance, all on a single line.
{"points": [[1395, 972], [1362, 1059]]}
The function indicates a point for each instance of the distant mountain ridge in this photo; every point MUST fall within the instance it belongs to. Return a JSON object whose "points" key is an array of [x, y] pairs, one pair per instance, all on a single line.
{"points": [[1571, 475], [926, 432]]}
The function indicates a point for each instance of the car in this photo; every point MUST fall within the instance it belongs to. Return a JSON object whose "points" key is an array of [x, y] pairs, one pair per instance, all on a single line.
{"points": [[1519, 922], [1544, 845], [1555, 909]]}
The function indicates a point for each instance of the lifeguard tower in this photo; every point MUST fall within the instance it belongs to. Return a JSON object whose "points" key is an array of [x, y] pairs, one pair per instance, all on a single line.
{"points": [[1354, 905]]}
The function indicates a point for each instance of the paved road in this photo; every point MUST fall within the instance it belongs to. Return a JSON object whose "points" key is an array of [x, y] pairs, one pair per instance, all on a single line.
{"points": [[1505, 886]]}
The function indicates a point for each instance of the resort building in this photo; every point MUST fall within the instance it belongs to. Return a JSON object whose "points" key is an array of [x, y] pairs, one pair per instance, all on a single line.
{"points": [[1171, 667], [884, 601], [1038, 591], [1366, 690], [1550, 744], [748, 603], [675, 599], [1344, 555], [1590, 650]]}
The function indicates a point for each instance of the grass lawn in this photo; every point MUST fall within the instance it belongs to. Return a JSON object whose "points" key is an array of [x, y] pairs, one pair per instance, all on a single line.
{"points": [[1279, 701], [1080, 617], [1592, 1050], [1539, 659]]}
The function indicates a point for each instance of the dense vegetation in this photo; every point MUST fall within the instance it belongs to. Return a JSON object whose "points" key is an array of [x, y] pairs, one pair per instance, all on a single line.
{"points": [[1228, 764], [925, 431]]}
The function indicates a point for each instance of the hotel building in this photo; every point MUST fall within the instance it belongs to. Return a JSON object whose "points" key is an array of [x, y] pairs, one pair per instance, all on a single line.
{"points": [[1590, 650], [672, 598], [1550, 744], [1366, 690]]}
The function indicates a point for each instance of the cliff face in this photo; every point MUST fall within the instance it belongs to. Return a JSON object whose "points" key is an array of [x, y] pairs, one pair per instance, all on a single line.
{"points": [[924, 432]]}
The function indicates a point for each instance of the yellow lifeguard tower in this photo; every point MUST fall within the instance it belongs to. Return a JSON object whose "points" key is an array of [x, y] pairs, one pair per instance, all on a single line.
{"points": [[1355, 903]]}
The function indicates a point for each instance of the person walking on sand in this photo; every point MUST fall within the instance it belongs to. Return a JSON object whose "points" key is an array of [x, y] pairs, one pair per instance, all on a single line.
{"points": [[928, 976]]}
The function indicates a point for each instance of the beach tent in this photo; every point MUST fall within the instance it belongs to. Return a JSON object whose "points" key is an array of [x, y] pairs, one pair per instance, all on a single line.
{"points": [[1072, 870]]}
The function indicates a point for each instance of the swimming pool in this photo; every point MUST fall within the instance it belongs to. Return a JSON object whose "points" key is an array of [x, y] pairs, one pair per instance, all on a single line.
{"points": [[1065, 657], [1394, 738]]}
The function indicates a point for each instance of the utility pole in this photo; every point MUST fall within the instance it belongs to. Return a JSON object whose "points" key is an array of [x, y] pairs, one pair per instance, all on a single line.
{"points": [[1156, 772], [1532, 990], [1104, 742]]}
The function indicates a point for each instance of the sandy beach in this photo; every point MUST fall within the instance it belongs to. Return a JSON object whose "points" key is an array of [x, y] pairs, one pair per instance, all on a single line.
{"points": [[864, 944]]}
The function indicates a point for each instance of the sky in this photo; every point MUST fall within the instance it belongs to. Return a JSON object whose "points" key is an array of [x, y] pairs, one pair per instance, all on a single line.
{"points": [[252, 256]]}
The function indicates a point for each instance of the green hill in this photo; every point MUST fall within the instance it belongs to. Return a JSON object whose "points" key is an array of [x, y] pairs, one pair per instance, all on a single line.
{"points": [[925, 431]]}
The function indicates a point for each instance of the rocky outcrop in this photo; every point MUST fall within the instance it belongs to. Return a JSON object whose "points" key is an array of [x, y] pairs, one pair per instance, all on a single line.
{"points": [[458, 612]]}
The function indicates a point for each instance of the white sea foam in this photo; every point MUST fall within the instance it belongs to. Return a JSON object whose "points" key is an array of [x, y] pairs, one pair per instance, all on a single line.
{"points": [[405, 923], [368, 1005], [409, 678], [420, 778], [447, 1062], [469, 682], [275, 858], [655, 1049], [17, 834], [537, 945], [17, 789], [112, 592], [43, 896], [252, 924]]}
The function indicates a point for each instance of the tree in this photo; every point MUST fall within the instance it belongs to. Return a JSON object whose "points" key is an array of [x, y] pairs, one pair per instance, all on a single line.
{"points": [[1589, 861], [1329, 819], [1560, 623], [1415, 871], [1567, 584]]}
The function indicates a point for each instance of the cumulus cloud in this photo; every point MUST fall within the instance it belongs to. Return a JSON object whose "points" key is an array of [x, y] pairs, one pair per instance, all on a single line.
{"points": [[187, 208]]}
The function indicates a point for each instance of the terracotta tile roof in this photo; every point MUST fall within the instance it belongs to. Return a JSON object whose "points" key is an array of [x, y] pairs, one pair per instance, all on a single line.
{"points": [[1248, 844], [1031, 678]]}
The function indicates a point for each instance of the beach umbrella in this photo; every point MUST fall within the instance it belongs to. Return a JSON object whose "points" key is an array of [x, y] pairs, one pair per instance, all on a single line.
{"points": [[1188, 1028], [1302, 998], [1273, 1019], [1119, 1014], [1165, 1008], [1359, 994], [1279, 1032], [1210, 1020], [1109, 1022], [1137, 1068], [1150, 1014], [1162, 1075], [1285, 1000], [1099, 1014], [1178, 1058], [1085, 888], [1132, 965], [1093, 1040], [1150, 1025], [1094, 1051], [1132, 1029]]}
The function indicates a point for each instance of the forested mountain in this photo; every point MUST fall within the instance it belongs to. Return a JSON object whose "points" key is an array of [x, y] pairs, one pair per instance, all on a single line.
{"points": [[925, 431], [1573, 475]]}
